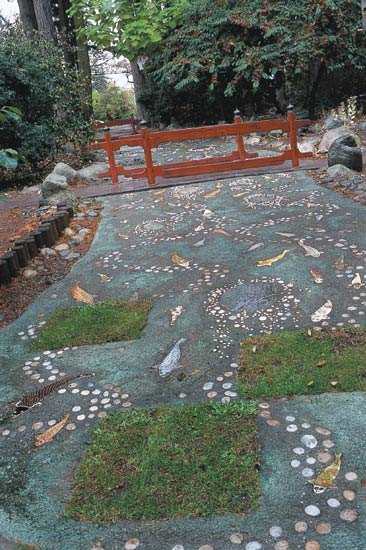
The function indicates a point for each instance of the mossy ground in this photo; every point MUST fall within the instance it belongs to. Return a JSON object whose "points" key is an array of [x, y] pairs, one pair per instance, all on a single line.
{"points": [[297, 363], [93, 324], [150, 464]]}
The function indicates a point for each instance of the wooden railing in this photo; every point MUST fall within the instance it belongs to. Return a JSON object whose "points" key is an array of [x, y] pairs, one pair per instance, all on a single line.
{"points": [[118, 122], [237, 160]]}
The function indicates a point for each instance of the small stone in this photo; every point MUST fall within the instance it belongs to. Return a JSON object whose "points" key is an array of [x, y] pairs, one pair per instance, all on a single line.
{"points": [[348, 515], [282, 545], [350, 476], [307, 472], [68, 232], [349, 495], [62, 246], [291, 428], [273, 422], [253, 546], [206, 547], [323, 528], [299, 451], [295, 463], [132, 544], [265, 414], [208, 386], [312, 510], [309, 441], [30, 273], [333, 502], [322, 431], [323, 457], [275, 531], [236, 538], [263, 405], [47, 252], [328, 444], [37, 425], [309, 460], [301, 527], [290, 418], [312, 545], [92, 214], [178, 547]]}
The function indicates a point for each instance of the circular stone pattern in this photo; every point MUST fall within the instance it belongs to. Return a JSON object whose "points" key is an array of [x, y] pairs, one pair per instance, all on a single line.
{"points": [[312, 510], [132, 544], [251, 297], [348, 515]]}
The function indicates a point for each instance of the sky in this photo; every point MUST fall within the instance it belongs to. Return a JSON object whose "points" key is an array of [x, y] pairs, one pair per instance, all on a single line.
{"points": [[9, 9]]}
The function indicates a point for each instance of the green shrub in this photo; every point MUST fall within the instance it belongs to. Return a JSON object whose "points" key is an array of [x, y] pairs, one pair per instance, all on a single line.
{"points": [[112, 102], [35, 79]]}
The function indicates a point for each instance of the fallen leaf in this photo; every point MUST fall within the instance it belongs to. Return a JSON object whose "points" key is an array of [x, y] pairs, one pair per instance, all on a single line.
{"points": [[40, 315], [222, 232], [212, 194], [81, 295], [321, 363], [334, 383], [104, 278], [311, 384], [196, 371]]}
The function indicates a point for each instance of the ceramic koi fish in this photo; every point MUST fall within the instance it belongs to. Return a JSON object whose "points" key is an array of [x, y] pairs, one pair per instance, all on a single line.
{"points": [[317, 277], [104, 278], [175, 313], [180, 261], [212, 194], [310, 251], [199, 227], [255, 246], [325, 479], [356, 282], [271, 261], [285, 234], [221, 232], [49, 434], [322, 313], [199, 243], [171, 361]]}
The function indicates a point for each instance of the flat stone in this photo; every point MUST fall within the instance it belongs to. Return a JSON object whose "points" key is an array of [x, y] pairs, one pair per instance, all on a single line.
{"points": [[68, 232], [275, 531], [323, 457], [92, 214], [328, 443], [333, 502], [30, 273], [62, 246], [206, 547], [309, 441], [47, 252], [301, 527], [322, 431], [323, 528], [312, 510], [178, 547], [208, 386], [281, 545], [351, 476], [349, 495], [273, 422], [132, 544], [312, 545], [253, 546], [348, 515], [236, 538]]}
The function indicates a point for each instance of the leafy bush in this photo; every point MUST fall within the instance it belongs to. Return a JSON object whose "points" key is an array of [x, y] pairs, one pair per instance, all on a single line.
{"points": [[113, 102], [9, 157], [35, 79]]}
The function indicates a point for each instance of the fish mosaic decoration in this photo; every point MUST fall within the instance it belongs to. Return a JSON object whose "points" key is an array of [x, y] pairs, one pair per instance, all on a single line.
{"points": [[81, 295], [255, 246], [221, 232], [310, 251], [322, 313], [104, 278], [179, 261], [356, 282], [171, 361], [285, 234], [212, 194], [340, 262], [271, 261], [35, 398], [175, 313], [199, 227], [316, 276], [325, 479], [49, 434], [199, 243]]}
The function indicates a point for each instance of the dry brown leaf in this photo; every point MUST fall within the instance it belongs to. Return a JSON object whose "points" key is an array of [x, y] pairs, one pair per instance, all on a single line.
{"points": [[222, 232], [212, 194], [81, 295], [321, 363], [180, 261]]}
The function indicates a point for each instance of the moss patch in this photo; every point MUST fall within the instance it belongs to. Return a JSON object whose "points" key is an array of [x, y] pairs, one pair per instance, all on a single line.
{"points": [[296, 363], [93, 324], [151, 464]]}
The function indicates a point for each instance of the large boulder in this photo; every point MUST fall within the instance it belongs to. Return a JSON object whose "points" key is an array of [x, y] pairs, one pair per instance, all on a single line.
{"points": [[344, 151], [334, 134], [55, 190], [63, 169], [91, 172]]}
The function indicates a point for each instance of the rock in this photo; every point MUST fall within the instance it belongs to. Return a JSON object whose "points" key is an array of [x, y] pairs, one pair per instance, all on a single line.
{"points": [[31, 189], [92, 171], [344, 151], [63, 196], [62, 246], [72, 255], [306, 147], [92, 214], [78, 238], [53, 183], [30, 273], [362, 126], [68, 232], [48, 252], [339, 170], [65, 170], [332, 135], [252, 140], [84, 231], [330, 123]]}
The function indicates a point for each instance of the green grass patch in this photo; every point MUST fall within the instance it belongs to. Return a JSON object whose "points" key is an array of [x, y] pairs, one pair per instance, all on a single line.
{"points": [[93, 324], [150, 464], [296, 363]]}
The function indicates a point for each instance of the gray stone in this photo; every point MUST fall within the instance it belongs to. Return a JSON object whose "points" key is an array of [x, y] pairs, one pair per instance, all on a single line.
{"points": [[30, 273], [306, 147], [92, 171], [65, 170], [362, 126], [61, 246], [344, 151], [332, 135], [53, 183], [31, 189], [339, 170], [48, 252], [330, 123], [63, 196], [92, 214], [72, 255]]}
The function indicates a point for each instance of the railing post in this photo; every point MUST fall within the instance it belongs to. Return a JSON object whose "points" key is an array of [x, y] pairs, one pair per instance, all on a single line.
{"points": [[110, 154], [239, 137], [147, 151], [293, 136], [133, 124]]}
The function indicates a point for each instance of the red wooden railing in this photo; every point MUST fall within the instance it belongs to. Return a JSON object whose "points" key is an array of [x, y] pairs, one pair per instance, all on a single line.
{"points": [[237, 160], [118, 122]]}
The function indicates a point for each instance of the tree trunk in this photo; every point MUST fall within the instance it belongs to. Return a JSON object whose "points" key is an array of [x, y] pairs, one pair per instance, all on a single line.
{"points": [[280, 91], [138, 86], [45, 24], [67, 32], [27, 15], [363, 8], [84, 69], [316, 73]]}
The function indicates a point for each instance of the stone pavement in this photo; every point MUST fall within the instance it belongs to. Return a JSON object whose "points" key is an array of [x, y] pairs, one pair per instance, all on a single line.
{"points": [[197, 247]]}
